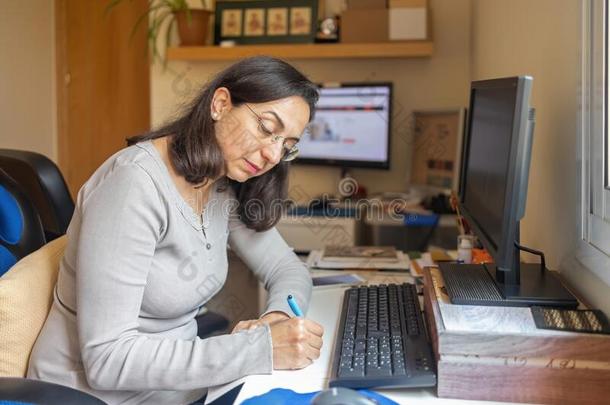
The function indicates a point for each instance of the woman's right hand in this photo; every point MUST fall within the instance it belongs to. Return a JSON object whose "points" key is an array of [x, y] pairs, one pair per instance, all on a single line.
{"points": [[296, 343]]}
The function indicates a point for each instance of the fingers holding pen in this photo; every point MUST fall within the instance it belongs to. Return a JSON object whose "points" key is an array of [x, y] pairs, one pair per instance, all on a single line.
{"points": [[296, 343], [314, 328]]}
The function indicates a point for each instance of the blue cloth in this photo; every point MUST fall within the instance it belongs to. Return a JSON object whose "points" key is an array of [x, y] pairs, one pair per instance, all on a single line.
{"points": [[2, 402], [282, 396], [11, 220], [7, 260], [329, 211], [416, 220]]}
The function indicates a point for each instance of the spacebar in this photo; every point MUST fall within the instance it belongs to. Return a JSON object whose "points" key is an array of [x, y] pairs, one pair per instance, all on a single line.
{"points": [[347, 373]]}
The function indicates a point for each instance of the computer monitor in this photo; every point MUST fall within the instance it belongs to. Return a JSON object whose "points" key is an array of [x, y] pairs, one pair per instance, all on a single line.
{"points": [[351, 127], [493, 190]]}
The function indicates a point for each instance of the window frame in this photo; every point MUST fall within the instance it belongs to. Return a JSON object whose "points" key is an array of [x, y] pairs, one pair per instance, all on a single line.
{"points": [[594, 242]]}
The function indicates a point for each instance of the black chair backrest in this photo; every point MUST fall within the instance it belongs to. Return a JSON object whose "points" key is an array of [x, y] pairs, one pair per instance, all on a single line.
{"points": [[44, 184], [21, 230], [25, 390]]}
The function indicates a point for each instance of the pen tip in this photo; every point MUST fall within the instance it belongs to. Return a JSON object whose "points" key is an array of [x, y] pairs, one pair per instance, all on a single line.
{"points": [[290, 297]]}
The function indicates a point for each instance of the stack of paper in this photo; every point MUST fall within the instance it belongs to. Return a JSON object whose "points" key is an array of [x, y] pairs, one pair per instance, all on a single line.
{"points": [[317, 259], [348, 253]]}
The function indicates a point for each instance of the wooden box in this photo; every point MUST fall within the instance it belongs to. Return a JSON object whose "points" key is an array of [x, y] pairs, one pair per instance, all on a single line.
{"points": [[497, 353], [364, 25]]}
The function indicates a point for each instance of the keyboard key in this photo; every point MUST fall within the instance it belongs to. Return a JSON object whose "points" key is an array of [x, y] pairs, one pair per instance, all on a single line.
{"points": [[378, 333], [351, 372], [399, 369], [378, 372]]}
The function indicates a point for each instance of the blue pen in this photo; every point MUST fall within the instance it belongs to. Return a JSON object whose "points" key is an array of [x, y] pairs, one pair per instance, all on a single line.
{"points": [[294, 306]]}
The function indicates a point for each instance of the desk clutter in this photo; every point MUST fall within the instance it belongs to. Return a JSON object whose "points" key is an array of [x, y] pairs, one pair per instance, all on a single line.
{"points": [[358, 257], [498, 353]]}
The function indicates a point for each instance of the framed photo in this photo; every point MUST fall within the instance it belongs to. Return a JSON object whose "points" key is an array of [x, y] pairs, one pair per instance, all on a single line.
{"points": [[265, 21], [254, 24], [300, 20], [231, 23], [277, 21]]}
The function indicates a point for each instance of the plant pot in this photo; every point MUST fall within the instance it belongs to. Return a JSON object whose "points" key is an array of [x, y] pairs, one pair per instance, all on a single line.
{"points": [[193, 31]]}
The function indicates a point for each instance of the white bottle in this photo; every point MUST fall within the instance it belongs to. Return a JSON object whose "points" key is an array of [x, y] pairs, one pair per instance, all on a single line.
{"points": [[464, 252]]}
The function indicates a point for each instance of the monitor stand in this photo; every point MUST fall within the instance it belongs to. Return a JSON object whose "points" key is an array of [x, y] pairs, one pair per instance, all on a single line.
{"points": [[476, 284]]}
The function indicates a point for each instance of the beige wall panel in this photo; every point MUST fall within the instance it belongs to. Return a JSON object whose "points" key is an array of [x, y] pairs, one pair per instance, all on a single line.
{"points": [[27, 77]]}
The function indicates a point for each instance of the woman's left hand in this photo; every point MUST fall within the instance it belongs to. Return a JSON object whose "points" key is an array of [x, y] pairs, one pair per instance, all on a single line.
{"points": [[269, 318]]}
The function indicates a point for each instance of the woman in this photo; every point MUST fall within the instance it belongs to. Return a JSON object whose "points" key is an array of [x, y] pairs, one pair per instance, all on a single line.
{"points": [[147, 248]]}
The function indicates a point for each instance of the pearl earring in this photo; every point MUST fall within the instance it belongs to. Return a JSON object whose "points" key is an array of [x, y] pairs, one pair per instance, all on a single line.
{"points": [[215, 116]]}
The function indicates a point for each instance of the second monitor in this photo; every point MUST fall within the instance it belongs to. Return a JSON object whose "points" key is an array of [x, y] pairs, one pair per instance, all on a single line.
{"points": [[351, 127]]}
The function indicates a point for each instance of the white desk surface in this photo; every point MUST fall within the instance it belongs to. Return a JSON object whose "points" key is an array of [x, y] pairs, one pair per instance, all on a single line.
{"points": [[325, 309]]}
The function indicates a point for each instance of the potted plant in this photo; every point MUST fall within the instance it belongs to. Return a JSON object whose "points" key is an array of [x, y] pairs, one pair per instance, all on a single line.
{"points": [[192, 23]]}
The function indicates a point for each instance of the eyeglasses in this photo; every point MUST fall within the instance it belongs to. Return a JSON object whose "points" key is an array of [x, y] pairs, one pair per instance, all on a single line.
{"points": [[289, 145]]}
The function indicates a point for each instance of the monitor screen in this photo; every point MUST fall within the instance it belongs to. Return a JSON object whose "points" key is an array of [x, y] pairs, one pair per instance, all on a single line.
{"points": [[486, 169], [351, 127]]}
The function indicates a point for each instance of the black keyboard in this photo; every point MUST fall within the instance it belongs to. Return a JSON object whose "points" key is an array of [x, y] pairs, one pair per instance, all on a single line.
{"points": [[381, 340]]}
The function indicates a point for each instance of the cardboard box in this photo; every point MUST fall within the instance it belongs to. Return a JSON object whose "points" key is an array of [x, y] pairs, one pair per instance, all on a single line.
{"points": [[365, 4], [364, 26], [408, 20], [408, 3], [498, 354]]}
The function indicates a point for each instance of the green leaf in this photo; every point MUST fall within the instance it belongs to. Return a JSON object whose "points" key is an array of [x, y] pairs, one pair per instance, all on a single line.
{"points": [[154, 32], [111, 4], [168, 34], [158, 12], [141, 19]]}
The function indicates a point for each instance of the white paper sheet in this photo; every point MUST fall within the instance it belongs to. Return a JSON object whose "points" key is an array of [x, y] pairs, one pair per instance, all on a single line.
{"points": [[312, 378], [314, 260]]}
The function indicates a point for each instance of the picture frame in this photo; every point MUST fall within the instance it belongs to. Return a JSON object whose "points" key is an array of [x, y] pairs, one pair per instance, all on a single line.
{"points": [[300, 20], [231, 22], [254, 22], [265, 21], [437, 147], [277, 21]]}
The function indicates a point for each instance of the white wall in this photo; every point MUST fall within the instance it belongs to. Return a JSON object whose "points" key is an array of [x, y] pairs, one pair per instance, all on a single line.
{"points": [[542, 38], [438, 82], [27, 76]]}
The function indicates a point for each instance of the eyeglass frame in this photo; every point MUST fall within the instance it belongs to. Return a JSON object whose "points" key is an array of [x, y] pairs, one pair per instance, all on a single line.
{"points": [[292, 153]]}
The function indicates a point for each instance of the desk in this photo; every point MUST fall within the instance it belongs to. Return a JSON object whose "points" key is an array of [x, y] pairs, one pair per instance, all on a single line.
{"points": [[325, 309]]}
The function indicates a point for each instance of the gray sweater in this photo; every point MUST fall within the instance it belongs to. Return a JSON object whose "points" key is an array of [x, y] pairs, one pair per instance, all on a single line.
{"points": [[138, 266]]}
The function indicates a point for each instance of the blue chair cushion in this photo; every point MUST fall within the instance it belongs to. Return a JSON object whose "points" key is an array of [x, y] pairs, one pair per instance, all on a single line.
{"points": [[7, 260], [11, 220]]}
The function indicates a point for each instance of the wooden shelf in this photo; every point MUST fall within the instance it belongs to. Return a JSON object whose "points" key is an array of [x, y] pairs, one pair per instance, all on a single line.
{"points": [[403, 49]]}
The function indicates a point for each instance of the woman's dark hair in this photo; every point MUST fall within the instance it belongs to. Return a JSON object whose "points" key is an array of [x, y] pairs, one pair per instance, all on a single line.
{"points": [[195, 153]]}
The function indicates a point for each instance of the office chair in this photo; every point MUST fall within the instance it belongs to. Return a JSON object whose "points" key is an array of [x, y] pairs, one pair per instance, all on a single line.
{"points": [[23, 390], [424, 226], [21, 230], [22, 234], [44, 184]]}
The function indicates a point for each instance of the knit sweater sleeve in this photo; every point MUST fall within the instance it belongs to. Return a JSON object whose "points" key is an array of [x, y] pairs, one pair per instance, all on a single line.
{"points": [[121, 220]]}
